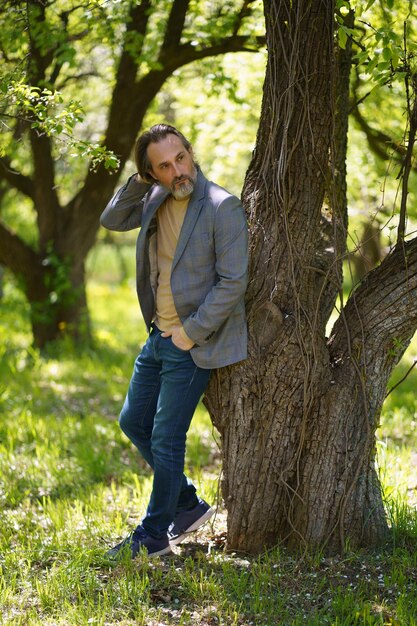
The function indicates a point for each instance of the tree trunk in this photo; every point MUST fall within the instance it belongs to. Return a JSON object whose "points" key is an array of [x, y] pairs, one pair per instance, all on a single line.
{"points": [[298, 417], [55, 288]]}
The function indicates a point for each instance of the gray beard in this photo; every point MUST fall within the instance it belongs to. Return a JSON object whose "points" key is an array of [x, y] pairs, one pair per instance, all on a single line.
{"points": [[183, 191]]}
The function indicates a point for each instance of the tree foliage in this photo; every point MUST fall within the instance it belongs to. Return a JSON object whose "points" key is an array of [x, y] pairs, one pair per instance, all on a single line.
{"points": [[384, 63]]}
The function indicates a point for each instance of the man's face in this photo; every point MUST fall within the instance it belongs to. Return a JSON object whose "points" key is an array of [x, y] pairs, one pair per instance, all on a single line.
{"points": [[172, 166]]}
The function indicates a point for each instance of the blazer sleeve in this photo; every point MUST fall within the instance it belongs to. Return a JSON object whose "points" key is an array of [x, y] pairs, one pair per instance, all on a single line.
{"points": [[231, 248], [124, 211]]}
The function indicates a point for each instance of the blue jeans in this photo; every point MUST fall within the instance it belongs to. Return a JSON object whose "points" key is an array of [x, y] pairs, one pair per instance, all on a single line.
{"points": [[164, 391]]}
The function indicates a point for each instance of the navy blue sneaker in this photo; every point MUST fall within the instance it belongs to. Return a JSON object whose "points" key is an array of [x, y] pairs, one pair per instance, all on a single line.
{"points": [[188, 522], [135, 541]]}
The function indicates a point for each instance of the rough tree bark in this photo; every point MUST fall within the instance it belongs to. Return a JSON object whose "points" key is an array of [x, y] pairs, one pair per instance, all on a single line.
{"points": [[298, 417], [52, 274]]}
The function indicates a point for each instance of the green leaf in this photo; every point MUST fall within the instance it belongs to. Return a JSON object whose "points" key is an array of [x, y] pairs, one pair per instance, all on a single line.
{"points": [[385, 65], [372, 64], [387, 54], [342, 37], [362, 56]]}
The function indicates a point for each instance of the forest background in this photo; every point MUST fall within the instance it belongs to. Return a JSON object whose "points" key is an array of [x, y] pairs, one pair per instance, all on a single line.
{"points": [[69, 479]]}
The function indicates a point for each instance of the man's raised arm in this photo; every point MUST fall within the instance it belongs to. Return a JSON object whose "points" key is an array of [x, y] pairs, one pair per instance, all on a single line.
{"points": [[124, 211]]}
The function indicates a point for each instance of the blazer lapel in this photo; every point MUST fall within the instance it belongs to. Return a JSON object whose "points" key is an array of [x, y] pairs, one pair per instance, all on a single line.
{"points": [[191, 216]]}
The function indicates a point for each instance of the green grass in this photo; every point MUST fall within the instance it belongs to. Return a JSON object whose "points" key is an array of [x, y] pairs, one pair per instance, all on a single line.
{"points": [[71, 485]]}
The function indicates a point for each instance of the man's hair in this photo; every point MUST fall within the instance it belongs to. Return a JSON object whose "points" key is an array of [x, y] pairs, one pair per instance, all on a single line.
{"points": [[154, 135]]}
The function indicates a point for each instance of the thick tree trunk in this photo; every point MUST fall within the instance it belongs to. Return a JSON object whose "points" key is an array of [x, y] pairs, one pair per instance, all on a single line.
{"points": [[54, 285], [298, 417], [58, 302]]}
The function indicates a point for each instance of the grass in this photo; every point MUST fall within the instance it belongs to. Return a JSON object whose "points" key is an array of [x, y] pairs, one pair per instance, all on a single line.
{"points": [[71, 485]]}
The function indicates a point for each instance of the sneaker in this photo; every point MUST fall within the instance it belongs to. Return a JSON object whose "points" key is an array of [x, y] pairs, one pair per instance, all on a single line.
{"points": [[188, 522], [135, 541]]}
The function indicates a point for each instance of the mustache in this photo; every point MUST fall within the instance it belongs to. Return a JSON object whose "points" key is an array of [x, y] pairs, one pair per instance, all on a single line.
{"points": [[179, 179]]}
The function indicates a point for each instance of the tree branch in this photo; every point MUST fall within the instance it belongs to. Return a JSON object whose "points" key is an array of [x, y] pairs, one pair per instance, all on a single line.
{"points": [[22, 183], [45, 195], [408, 159], [76, 78], [244, 12], [380, 316], [15, 253], [139, 18], [187, 53], [38, 59], [128, 66], [408, 372], [174, 28], [379, 142]]}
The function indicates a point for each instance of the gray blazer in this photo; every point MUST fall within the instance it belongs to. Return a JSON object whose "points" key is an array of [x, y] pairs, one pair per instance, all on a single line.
{"points": [[209, 270]]}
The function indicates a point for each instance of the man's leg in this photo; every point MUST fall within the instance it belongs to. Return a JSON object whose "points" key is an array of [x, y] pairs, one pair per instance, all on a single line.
{"points": [[138, 412], [182, 384]]}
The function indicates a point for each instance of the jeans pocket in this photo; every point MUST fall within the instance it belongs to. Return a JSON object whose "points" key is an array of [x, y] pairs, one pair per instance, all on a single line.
{"points": [[178, 348]]}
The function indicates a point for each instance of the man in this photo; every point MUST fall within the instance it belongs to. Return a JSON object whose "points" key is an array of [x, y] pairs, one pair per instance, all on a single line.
{"points": [[191, 267]]}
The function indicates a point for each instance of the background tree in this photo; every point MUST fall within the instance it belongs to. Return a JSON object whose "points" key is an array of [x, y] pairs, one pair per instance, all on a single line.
{"points": [[377, 140], [63, 46], [298, 418]]}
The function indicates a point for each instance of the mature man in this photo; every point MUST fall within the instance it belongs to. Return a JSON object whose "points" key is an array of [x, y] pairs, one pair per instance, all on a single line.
{"points": [[191, 279]]}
